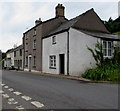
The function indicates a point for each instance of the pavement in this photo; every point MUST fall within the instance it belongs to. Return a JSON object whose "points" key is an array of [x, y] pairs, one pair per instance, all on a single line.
{"points": [[79, 78]]}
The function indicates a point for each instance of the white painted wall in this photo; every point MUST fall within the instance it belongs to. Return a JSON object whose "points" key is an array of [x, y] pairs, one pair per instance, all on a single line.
{"points": [[59, 48], [80, 58], [10, 62]]}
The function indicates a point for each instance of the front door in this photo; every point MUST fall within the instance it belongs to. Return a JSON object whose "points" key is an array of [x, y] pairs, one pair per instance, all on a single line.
{"points": [[30, 63], [61, 58]]}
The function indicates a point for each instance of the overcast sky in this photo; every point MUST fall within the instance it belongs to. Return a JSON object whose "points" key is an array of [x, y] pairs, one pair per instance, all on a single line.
{"points": [[17, 16]]}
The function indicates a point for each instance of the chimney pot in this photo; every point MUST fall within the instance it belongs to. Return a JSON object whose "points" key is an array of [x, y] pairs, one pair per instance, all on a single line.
{"points": [[60, 10], [38, 21]]}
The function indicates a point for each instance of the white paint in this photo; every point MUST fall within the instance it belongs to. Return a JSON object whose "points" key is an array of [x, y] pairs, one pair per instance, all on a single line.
{"points": [[2, 84], [19, 107], [1, 92], [6, 87], [80, 58], [11, 89], [26, 69], [27, 98], [5, 95], [17, 93], [12, 101], [54, 49], [37, 104]]}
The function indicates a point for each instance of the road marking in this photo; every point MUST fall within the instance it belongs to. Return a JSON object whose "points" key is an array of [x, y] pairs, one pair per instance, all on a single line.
{"points": [[2, 84], [11, 89], [5, 95], [6, 87], [1, 92], [19, 107], [37, 104], [12, 101], [17, 93], [27, 98]]}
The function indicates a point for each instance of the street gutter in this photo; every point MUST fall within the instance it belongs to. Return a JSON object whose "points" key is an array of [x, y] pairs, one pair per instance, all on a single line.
{"points": [[67, 77]]}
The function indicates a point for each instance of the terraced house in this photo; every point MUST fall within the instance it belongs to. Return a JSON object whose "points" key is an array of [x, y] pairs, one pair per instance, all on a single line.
{"points": [[18, 57], [32, 39], [60, 46]]}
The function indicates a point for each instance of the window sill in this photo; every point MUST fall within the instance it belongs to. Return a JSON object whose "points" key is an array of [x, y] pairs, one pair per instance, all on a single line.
{"points": [[52, 67], [34, 48], [34, 35], [53, 43]]}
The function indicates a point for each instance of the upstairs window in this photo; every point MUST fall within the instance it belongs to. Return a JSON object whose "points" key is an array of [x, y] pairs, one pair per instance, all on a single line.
{"points": [[53, 61], [14, 53], [107, 48], [34, 33], [20, 52], [26, 47], [34, 44], [54, 40]]}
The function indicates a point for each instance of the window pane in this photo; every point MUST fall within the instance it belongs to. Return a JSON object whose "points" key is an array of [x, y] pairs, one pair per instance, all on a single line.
{"points": [[109, 45], [105, 52], [104, 44], [109, 52]]}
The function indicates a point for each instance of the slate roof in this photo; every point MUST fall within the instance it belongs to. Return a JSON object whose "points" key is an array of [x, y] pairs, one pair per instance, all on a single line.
{"points": [[102, 35], [18, 48], [72, 23]]}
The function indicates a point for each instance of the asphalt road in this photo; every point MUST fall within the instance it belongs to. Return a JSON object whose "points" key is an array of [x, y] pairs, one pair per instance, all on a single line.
{"points": [[55, 93]]}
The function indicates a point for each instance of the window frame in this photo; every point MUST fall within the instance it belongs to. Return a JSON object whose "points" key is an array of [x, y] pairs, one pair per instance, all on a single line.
{"points": [[20, 51], [53, 39], [34, 44], [52, 61], [34, 32], [106, 49]]}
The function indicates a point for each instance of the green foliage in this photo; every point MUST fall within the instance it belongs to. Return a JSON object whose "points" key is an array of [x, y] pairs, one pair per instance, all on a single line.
{"points": [[113, 25], [97, 54], [108, 69]]}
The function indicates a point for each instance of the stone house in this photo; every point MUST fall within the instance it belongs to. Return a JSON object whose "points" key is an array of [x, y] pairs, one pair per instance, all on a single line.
{"points": [[32, 39]]}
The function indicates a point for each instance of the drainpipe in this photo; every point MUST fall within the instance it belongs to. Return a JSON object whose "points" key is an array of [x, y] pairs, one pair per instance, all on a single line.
{"points": [[68, 52]]}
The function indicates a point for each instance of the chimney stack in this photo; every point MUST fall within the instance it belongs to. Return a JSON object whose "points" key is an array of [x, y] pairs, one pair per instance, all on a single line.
{"points": [[60, 10], [38, 21]]}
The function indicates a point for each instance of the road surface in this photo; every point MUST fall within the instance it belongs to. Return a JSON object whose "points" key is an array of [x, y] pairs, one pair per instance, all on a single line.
{"points": [[21, 90]]}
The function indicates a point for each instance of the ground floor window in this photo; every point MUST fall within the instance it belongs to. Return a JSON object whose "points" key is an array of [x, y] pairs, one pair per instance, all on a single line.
{"points": [[52, 61], [107, 48]]}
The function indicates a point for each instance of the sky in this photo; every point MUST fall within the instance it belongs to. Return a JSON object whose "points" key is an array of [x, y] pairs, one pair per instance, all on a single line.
{"points": [[17, 16]]}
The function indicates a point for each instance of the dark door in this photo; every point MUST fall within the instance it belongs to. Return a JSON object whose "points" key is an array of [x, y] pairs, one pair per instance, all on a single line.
{"points": [[62, 64]]}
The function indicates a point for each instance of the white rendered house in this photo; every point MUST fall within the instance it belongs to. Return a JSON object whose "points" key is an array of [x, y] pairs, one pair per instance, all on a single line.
{"points": [[65, 50]]}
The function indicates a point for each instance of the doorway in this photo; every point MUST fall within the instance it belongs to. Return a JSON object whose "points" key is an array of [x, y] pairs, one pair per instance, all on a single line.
{"points": [[62, 59], [30, 62]]}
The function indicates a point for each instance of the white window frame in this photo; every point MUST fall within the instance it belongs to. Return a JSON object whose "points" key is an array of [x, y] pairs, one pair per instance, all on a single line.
{"points": [[107, 49], [54, 39], [52, 60]]}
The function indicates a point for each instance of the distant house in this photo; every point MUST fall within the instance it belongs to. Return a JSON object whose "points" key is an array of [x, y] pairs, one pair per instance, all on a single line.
{"points": [[32, 39], [9, 60], [18, 57], [64, 50]]}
